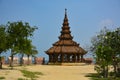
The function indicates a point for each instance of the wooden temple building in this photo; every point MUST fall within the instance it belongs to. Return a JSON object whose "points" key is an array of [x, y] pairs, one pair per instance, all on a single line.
{"points": [[65, 50]]}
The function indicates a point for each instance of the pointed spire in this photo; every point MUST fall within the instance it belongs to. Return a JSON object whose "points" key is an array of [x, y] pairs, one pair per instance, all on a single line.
{"points": [[65, 33], [65, 13], [65, 22]]}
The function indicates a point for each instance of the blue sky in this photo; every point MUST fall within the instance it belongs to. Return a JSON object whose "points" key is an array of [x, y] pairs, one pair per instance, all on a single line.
{"points": [[86, 18]]}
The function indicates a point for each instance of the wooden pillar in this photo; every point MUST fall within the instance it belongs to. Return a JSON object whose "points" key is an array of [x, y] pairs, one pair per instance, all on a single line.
{"points": [[75, 57], [81, 58], [53, 58], [50, 58], [78, 57], [68, 58], [62, 57], [59, 60], [72, 58], [56, 57]]}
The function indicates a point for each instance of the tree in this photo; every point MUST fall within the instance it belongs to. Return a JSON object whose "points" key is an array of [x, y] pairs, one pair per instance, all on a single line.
{"points": [[3, 42], [102, 52], [103, 59], [18, 33], [31, 50], [106, 48], [28, 49], [114, 43]]}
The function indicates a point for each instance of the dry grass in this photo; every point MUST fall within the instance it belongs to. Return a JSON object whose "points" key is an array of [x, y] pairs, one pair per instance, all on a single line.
{"points": [[49, 72]]}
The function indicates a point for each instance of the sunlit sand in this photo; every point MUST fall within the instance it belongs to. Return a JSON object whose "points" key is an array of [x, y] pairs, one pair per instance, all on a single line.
{"points": [[50, 72]]}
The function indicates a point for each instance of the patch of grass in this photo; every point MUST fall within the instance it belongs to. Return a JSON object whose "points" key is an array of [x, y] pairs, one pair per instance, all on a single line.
{"points": [[105, 79], [22, 79], [7, 72], [2, 77], [92, 75], [31, 75], [95, 76]]}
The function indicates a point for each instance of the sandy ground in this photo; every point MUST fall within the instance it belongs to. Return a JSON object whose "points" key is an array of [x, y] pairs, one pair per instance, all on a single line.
{"points": [[50, 72]]}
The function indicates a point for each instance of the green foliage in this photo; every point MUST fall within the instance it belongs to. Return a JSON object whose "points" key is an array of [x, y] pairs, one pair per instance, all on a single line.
{"points": [[3, 39], [95, 76], [106, 51], [29, 49], [18, 34], [15, 36], [31, 75], [2, 77], [19, 37], [3, 42]]}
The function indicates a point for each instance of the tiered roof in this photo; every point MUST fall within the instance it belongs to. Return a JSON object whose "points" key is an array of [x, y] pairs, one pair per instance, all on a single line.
{"points": [[66, 45]]}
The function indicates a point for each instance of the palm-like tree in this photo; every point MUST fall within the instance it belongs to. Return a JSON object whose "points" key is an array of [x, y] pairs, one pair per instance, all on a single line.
{"points": [[32, 51]]}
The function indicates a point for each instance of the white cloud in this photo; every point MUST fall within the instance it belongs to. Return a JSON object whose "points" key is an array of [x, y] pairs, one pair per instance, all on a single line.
{"points": [[106, 23]]}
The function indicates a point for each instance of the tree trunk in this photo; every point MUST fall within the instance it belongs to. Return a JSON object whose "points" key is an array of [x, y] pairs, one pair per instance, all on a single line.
{"points": [[103, 73], [11, 60], [106, 72], [36, 62], [0, 62], [28, 60], [118, 72], [21, 59], [115, 68]]}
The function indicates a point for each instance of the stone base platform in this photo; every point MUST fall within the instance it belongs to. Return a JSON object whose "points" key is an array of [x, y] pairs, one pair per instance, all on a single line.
{"points": [[68, 64]]}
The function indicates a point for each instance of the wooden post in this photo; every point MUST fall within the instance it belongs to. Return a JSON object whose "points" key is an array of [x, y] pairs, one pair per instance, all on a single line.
{"points": [[62, 57], [50, 58], [78, 57], [81, 58], [68, 58], [56, 57], [75, 57]]}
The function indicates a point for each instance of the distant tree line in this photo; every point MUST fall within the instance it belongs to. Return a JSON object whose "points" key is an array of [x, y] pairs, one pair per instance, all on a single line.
{"points": [[15, 36], [106, 51]]}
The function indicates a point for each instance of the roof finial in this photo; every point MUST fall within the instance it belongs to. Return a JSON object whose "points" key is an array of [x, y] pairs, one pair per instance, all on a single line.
{"points": [[65, 10], [65, 13]]}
